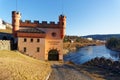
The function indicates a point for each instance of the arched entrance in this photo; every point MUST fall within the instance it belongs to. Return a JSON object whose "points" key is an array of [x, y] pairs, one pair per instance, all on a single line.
{"points": [[53, 55]]}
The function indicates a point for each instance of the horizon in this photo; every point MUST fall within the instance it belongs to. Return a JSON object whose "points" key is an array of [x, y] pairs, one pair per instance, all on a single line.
{"points": [[88, 17], [94, 34]]}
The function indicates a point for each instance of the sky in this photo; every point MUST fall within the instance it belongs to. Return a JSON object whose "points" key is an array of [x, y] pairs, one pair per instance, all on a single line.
{"points": [[84, 17]]}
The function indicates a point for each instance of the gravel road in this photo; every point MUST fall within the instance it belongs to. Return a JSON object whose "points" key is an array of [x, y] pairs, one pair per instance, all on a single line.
{"points": [[67, 72]]}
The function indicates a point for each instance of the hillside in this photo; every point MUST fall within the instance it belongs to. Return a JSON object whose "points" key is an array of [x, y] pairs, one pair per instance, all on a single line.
{"points": [[5, 26], [102, 37], [72, 43], [16, 66], [7, 30]]}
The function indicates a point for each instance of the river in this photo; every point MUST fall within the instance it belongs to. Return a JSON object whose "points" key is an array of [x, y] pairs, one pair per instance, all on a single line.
{"points": [[87, 53]]}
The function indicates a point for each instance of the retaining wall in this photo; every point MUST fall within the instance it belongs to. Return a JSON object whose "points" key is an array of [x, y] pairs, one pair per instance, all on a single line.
{"points": [[5, 45]]}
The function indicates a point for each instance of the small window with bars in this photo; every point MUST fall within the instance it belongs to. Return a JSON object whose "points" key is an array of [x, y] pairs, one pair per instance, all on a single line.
{"points": [[25, 40], [24, 49], [31, 40], [38, 49], [38, 40]]}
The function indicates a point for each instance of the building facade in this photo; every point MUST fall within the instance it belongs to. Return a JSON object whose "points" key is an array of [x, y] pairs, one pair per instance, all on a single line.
{"points": [[2, 26], [39, 40]]}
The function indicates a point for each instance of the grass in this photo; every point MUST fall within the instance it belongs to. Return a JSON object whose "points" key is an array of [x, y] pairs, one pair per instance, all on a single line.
{"points": [[16, 66]]}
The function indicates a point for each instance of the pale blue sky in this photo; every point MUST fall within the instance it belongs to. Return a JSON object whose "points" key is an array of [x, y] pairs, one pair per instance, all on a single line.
{"points": [[84, 17]]}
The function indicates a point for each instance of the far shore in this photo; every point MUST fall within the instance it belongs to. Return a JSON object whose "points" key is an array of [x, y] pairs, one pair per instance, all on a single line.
{"points": [[71, 47]]}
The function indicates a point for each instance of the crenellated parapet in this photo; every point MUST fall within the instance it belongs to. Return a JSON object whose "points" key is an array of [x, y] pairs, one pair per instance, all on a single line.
{"points": [[19, 24], [35, 23]]}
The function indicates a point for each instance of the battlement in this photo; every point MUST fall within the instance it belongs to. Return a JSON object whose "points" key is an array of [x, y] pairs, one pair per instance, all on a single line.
{"points": [[62, 16], [44, 24], [36, 23], [27, 21], [14, 13]]}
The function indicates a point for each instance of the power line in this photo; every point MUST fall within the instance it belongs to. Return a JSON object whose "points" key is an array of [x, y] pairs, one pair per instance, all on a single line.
{"points": [[62, 6], [16, 5]]}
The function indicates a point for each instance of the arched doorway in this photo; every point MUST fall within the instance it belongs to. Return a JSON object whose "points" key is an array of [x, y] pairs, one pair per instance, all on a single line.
{"points": [[53, 55]]}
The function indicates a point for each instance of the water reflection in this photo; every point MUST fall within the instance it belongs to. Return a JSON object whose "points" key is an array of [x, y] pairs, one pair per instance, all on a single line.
{"points": [[90, 52], [115, 55]]}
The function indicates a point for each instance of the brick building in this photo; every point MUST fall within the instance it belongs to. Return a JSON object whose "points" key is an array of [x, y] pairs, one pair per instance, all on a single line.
{"points": [[39, 40]]}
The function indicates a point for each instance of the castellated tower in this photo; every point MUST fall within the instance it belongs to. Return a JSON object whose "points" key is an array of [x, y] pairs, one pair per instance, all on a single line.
{"points": [[15, 22], [47, 38], [62, 22]]}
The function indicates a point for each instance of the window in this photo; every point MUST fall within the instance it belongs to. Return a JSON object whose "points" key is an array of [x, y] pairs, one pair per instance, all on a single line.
{"points": [[38, 49], [62, 23], [31, 40], [25, 49], [38, 40], [54, 34], [14, 21], [25, 40]]}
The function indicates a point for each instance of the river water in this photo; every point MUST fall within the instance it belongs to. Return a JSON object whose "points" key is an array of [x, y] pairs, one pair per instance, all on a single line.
{"points": [[87, 53]]}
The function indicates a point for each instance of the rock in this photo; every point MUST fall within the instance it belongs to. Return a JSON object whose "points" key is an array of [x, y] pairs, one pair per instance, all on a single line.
{"points": [[102, 62]]}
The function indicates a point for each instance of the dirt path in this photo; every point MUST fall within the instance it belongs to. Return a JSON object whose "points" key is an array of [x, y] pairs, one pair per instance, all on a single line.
{"points": [[67, 72]]}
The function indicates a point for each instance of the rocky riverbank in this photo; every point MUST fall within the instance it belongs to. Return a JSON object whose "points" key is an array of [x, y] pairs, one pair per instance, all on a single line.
{"points": [[104, 63], [87, 71]]}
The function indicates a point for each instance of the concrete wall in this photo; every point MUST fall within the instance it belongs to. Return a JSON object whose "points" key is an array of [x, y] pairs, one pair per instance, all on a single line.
{"points": [[5, 45]]}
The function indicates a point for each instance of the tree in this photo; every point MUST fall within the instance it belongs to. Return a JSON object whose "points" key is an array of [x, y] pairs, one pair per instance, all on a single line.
{"points": [[113, 43]]}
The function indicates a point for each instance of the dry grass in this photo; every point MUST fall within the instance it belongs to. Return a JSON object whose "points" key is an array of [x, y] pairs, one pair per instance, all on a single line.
{"points": [[16, 66], [98, 73], [7, 30]]}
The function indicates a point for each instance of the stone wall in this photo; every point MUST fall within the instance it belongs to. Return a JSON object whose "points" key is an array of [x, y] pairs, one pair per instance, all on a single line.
{"points": [[5, 45]]}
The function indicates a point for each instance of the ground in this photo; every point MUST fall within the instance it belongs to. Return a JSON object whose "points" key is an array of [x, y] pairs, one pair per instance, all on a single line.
{"points": [[16, 66], [66, 72], [80, 72]]}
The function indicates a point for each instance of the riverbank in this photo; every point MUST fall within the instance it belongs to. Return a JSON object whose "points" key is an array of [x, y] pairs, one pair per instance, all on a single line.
{"points": [[92, 69], [71, 47], [113, 49], [113, 44], [110, 70], [70, 71], [108, 64]]}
